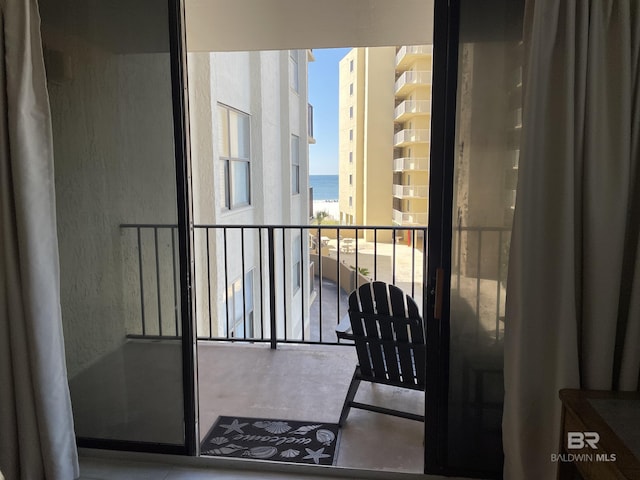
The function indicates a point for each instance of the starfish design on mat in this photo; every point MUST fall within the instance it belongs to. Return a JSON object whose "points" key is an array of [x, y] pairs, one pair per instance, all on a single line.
{"points": [[234, 426], [316, 455]]}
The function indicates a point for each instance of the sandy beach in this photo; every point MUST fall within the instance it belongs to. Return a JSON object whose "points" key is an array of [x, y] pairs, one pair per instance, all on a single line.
{"points": [[329, 206]]}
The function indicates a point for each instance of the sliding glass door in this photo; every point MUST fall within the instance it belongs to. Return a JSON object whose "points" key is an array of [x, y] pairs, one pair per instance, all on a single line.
{"points": [[474, 172], [121, 232]]}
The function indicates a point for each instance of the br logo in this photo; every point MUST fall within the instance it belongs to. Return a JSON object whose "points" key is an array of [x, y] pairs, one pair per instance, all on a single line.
{"points": [[578, 440]]}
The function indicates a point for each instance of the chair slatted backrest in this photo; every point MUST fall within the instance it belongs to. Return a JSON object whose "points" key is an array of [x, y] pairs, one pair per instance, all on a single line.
{"points": [[388, 334]]}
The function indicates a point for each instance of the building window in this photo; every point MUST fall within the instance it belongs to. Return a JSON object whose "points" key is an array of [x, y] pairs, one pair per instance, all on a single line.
{"points": [[295, 164], [351, 134], [294, 72], [351, 201], [351, 66], [350, 157], [241, 320], [296, 265], [350, 179], [234, 150], [351, 112], [351, 89]]}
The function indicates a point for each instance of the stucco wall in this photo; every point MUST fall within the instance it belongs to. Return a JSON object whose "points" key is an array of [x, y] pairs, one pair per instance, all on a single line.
{"points": [[114, 164], [256, 83]]}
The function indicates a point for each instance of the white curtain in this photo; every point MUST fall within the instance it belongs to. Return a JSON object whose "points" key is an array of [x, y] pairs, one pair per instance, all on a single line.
{"points": [[573, 304], [36, 426]]}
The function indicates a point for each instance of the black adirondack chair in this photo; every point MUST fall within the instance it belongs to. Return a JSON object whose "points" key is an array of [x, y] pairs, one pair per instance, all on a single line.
{"points": [[388, 333]]}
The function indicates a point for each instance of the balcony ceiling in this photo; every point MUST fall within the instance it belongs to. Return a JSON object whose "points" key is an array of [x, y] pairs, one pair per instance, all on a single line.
{"points": [[228, 25]]}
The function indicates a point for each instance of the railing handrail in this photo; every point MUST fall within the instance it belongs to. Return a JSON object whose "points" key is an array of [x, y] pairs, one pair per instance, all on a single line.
{"points": [[315, 227]]}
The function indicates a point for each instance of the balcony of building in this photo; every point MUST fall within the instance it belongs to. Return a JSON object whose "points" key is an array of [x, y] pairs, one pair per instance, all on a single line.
{"points": [[301, 377], [408, 54], [310, 137], [411, 108], [410, 191], [409, 218], [411, 164], [412, 80], [411, 136]]}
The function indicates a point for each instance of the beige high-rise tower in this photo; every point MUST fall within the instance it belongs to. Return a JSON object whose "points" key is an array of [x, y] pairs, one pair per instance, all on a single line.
{"points": [[385, 105]]}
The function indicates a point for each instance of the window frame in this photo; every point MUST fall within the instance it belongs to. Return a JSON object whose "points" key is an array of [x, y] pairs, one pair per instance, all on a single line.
{"points": [[228, 161], [295, 164]]}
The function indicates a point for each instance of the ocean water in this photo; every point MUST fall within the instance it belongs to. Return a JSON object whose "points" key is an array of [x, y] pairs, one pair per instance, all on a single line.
{"points": [[325, 187]]}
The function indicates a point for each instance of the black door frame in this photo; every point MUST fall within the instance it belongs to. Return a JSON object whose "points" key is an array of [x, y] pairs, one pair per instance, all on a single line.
{"points": [[443, 130], [443, 127], [177, 53]]}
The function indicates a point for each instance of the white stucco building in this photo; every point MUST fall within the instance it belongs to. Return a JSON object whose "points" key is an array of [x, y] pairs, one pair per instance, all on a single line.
{"points": [[249, 120]]}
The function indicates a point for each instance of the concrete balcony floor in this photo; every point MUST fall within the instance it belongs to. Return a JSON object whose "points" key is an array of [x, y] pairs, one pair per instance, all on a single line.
{"points": [[309, 382]]}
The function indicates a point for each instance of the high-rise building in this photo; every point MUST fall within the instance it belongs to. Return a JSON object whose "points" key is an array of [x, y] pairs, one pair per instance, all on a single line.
{"points": [[384, 123]]}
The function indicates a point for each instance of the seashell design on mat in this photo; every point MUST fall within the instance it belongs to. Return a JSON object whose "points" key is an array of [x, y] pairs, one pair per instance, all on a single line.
{"points": [[325, 437], [290, 453], [226, 450], [305, 429], [273, 427], [260, 452], [219, 440]]}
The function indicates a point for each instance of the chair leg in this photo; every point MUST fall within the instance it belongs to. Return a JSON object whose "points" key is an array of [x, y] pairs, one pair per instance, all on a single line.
{"points": [[351, 394]]}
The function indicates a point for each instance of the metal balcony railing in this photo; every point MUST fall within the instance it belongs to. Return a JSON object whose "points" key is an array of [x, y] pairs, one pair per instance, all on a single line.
{"points": [[297, 291], [413, 77], [410, 164], [411, 136], [409, 218], [412, 50], [310, 120], [410, 191], [412, 106]]}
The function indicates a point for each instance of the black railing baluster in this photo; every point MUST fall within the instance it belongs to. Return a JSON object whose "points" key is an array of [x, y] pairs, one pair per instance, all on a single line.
{"points": [[209, 282], [413, 262], [284, 280], [176, 307], [244, 286], [498, 282], [141, 278], [375, 254], [226, 280], [338, 235], [393, 259], [424, 272], [272, 290], [140, 272], [320, 282], [478, 284], [158, 294], [302, 291], [357, 265], [261, 268], [460, 253]]}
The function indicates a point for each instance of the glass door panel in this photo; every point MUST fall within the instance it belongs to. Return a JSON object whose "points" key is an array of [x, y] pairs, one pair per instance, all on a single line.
{"points": [[484, 187], [109, 80]]}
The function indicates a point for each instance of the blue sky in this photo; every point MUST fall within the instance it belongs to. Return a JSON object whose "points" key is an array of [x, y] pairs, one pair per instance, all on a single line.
{"points": [[323, 95]]}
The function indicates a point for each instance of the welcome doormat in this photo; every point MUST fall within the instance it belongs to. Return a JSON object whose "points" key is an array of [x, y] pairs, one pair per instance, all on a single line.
{"points": [[276, 440]]}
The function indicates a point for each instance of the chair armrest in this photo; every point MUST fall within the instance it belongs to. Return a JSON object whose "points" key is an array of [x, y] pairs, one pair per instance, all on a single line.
{"points": [[343, 330]]}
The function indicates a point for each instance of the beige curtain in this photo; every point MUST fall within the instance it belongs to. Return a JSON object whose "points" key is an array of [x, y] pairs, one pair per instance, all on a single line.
{"points": [[36, 425], [573, 305]]}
